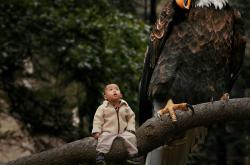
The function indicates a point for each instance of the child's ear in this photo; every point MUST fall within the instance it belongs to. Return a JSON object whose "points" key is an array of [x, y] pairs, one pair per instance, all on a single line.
{"points": [[104, 96], [121, 96]]}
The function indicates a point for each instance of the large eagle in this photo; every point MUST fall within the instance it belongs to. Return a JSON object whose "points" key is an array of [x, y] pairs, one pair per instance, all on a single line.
{"points": [[194, 55]]}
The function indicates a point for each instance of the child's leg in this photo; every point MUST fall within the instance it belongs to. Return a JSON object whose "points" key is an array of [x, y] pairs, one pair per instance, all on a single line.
{"points": [[130, 142], [105, 141]]}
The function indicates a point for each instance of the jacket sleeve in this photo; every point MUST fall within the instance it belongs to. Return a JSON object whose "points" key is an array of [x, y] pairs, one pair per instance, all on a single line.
{"points": [[98, 120], [131, 120]]}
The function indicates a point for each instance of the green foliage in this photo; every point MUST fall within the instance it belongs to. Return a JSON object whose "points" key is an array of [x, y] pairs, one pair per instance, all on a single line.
{"points": [[68, 42], [45, 110]]}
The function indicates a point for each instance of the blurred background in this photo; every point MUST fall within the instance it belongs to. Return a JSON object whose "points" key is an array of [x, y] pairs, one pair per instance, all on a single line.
{"points": [[57, 55]]}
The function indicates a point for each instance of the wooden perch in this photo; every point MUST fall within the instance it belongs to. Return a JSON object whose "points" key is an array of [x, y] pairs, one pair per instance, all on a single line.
{"points": [[150, 135]]}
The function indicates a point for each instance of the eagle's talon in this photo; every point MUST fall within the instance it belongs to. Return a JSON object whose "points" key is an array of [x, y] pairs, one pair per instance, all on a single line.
{"points": [[190, 107], [158, 115]]}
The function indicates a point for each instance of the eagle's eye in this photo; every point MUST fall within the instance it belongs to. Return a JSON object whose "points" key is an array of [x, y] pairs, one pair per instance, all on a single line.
{"points": [[183, 4]]}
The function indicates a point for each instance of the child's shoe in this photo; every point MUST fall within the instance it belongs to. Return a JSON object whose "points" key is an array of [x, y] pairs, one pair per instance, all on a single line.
{"points": [[100, 160]]}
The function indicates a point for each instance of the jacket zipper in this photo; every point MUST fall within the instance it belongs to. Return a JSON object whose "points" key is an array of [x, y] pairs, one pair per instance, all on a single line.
{"points": [[117, 114]]}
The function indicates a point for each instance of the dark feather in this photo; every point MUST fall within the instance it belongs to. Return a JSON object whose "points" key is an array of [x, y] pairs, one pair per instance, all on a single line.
{"points": [[158, 37]]}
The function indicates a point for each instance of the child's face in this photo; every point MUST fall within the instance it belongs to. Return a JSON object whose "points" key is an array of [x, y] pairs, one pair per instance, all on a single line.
{"points": [[112, 93]]}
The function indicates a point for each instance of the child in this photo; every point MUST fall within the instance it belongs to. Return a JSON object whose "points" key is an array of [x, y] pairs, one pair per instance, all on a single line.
{"points": [[114, 118]]}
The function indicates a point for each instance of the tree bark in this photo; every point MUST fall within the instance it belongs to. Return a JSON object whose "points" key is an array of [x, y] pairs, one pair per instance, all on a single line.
{"points": [[152, 134]]}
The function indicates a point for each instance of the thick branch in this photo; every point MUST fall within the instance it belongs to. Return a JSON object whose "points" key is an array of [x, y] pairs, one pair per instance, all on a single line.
{"points": [[150, 135]]}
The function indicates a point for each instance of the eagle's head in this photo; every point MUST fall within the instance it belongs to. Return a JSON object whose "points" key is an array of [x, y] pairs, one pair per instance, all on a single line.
{"points": [[185, 4]]}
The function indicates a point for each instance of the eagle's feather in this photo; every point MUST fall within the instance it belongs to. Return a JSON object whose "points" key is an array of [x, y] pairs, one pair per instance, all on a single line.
{"points": [[192, 56], [218, 4]]}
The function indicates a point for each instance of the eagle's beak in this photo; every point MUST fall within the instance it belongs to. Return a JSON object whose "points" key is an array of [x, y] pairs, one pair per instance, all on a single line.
{"points": [[183, 4]]}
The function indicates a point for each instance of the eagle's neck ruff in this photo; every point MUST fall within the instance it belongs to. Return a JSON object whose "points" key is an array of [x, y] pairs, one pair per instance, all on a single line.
{"points": [[218, 4]]}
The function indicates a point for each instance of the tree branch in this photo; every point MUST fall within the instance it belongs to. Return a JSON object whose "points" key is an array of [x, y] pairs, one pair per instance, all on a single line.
{"points": [[150, 135]]}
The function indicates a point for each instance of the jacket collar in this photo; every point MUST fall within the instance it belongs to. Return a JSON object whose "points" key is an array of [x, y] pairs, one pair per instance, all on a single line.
{"points": [[106, 103]]}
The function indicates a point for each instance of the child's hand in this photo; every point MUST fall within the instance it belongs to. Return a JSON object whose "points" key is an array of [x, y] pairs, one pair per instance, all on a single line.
{"points": [[96, 135]]}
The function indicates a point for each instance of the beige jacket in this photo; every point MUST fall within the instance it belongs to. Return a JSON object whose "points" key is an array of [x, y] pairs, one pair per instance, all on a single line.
{"points": [[107, 119]]}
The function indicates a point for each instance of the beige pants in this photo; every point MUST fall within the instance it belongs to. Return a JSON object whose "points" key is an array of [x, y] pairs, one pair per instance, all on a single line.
{"points": [[106, 139]]}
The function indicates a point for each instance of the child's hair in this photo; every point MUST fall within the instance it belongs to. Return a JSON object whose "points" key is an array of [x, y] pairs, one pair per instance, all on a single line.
{"points": [[105, 86]]}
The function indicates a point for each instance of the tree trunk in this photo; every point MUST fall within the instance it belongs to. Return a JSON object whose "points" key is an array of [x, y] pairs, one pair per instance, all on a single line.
{"points": [[152, 134]]}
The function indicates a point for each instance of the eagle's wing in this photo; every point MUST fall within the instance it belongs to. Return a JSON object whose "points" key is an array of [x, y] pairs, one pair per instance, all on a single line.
{"points": [[158, 38], [239, 44]]}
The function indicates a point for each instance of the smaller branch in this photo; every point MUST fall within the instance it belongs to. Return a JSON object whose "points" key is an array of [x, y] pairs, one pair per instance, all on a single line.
{"points": [[152, 134]]}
